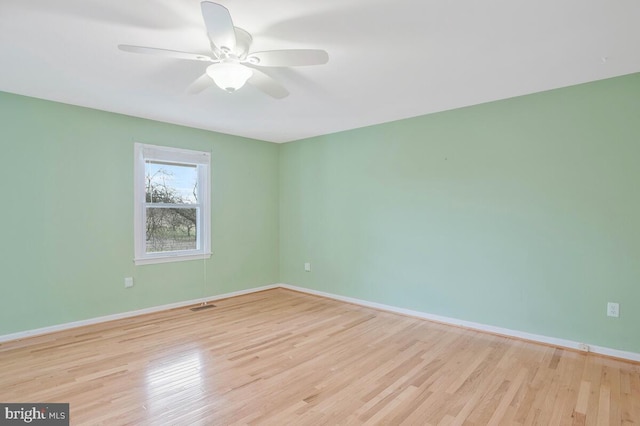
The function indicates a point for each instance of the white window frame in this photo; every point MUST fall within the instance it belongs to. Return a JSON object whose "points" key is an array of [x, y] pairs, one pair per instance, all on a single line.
{"points": [[202, 160]]}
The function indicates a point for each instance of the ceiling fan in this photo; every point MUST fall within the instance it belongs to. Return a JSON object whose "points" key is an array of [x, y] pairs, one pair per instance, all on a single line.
{"points": [[232, 65]]}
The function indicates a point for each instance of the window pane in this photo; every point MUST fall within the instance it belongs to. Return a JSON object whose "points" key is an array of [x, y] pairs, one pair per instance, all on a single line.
{"points": [[171, 229], [171, 183]]}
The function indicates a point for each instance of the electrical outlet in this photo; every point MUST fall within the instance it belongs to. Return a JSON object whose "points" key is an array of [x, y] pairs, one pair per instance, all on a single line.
{"points": [[307, 267], [128, 282], [613, 309]]}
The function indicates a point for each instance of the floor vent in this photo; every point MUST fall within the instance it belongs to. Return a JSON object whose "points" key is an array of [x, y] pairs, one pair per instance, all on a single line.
{"points": [[202, 307]]}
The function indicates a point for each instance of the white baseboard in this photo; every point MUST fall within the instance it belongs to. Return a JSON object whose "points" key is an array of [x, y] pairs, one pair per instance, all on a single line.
{"points": [[563, 343], [90, 321]]}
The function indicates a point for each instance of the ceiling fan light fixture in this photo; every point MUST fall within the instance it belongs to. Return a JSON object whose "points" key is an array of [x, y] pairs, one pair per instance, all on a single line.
{"points": [[231, 63], [229, 76]]}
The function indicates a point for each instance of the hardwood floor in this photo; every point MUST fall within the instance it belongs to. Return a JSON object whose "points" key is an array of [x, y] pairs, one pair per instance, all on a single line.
{"points": [[279, 357]]}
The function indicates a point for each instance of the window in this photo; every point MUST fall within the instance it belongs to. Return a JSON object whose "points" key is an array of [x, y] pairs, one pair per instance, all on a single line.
{"points": [[172, 204]]}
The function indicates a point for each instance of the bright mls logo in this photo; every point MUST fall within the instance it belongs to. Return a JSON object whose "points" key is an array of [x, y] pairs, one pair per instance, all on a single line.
{"points": [[41, 414]]}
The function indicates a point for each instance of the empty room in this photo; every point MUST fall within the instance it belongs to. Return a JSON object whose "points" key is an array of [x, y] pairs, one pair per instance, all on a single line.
{"points": [[310, 213]]}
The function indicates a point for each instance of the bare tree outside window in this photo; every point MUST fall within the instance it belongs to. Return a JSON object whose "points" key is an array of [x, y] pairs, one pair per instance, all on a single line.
{"points": [[172, 203]]}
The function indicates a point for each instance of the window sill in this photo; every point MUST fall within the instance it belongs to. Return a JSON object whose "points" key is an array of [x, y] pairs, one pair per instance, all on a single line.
{"points": [[171, 258]]}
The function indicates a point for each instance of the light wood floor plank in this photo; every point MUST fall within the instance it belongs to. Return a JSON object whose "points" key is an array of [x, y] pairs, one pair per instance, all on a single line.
{"points": [[281, 357]]}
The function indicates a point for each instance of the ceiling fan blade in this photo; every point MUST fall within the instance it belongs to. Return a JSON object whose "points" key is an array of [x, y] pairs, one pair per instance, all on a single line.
{"points": [[199, 84], [219, 26], [267, 84], [165, 52], [288, 58]]}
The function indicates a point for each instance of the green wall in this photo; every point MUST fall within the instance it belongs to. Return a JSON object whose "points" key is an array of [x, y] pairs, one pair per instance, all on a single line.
{"points": [[522, 213], [66, 175]]}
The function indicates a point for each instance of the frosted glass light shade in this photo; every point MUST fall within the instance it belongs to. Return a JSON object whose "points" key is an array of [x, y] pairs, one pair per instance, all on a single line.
{"points": [[229, 76]]}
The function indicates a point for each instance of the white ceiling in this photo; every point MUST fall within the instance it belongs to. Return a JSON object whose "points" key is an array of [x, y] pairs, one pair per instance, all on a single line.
{"points": [[389, 59]]}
